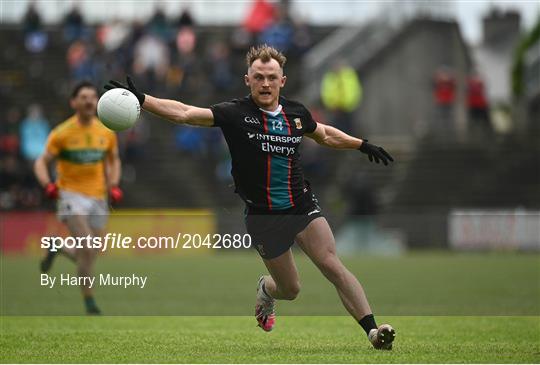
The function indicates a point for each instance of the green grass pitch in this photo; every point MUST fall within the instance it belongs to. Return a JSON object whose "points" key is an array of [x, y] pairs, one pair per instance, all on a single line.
{"points": [[446, 308], [294, 340]]}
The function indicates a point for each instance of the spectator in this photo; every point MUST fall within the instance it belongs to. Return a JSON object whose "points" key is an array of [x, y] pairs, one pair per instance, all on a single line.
{"points": [[18, 187], [122, 59], [280, 33], [111, 36], [137, 33], [10, 176], [260, 16], [220, 63], [73, 26], [158, 26], [477, 104], [186, 41], [341, 93], [132, 142], [241, 40], [190, 140], [444, 88], [185, 19], [185, 60], [101, 64], [444, 95], [32, 19], [9, 133], [35, 39], [151, 59], [34, 130], [302, 38], [79, 61]]}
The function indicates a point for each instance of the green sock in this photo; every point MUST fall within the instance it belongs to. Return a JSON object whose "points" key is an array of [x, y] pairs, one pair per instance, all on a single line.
{"points": [[90, 303]]}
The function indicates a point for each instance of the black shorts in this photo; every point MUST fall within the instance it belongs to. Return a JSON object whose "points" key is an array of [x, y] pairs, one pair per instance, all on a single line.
{"points": [[273, 231]]}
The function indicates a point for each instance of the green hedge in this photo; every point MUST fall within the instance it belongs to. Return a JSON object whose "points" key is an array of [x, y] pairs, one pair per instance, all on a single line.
{"points": [[526, 42]]}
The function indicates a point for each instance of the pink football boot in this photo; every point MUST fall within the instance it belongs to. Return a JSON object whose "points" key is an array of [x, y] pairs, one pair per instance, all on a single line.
{"points": [[264, 308]]}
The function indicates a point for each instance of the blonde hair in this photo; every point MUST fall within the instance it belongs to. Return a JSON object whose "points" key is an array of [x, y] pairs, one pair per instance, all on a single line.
{"points": [[265, 53]]}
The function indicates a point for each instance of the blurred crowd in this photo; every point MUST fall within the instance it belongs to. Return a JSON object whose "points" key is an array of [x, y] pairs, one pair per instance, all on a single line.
{"points": [[167, 58], [476, 101], [163, 51], [22, 140], [170, 55]]}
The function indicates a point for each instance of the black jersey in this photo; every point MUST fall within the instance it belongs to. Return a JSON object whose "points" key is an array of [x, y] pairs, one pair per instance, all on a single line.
{"points": [[264, 150]]}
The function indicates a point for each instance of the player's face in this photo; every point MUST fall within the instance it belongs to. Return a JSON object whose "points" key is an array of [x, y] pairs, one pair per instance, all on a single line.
{"points": [[265, 80], [85, 102]]}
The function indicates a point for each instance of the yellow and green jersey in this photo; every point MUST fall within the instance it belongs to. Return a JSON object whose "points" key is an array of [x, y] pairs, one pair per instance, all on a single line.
{"points": [[80, 151]]}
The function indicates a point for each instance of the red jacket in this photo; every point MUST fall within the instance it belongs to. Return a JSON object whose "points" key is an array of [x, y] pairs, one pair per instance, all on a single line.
{"points": [[445, 89], [476, 96]]}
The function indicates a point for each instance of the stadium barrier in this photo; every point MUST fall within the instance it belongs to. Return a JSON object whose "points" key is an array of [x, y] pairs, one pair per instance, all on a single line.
{"points": [[494, 229]]}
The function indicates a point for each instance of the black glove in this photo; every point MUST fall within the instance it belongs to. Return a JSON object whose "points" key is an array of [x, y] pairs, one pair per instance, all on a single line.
{"points": [[131, 87], [375, 152]]}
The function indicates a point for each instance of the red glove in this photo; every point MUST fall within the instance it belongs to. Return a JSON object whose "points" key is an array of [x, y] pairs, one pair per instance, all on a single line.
{"points": [[51, 191], [116, 194]]}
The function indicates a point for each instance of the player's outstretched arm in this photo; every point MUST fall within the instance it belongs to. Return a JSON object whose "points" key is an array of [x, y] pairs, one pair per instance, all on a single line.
{"points": [[171, 110], [177, 112], [329, 136]]}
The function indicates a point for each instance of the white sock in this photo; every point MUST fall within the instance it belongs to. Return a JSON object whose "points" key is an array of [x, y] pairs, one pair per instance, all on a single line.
{"points": [[264, 293]]}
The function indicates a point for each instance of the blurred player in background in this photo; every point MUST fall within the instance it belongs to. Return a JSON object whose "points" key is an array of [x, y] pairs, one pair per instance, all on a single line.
{"points": [[263, 132], [88, 170]]}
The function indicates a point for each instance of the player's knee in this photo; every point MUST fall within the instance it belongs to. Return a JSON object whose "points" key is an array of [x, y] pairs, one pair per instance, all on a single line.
{"points": [[86, 255], [291, 291]]}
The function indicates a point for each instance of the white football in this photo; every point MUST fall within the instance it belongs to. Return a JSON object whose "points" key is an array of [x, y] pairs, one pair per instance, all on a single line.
{"points": [[118, 109]]}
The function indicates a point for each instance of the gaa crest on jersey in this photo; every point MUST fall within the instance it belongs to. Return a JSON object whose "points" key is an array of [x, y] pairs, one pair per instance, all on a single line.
{"points": [[252, 120], [298, 123]]}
